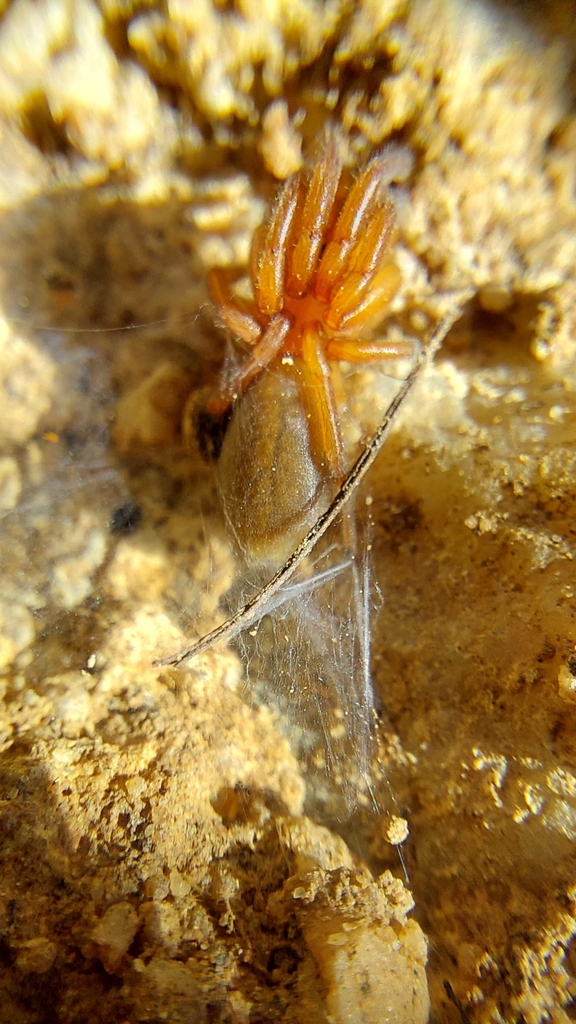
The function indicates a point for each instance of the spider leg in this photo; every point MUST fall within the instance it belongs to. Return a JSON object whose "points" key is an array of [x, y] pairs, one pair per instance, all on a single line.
{"points": [[352, 221], [239, 315], [351, 351], [362, 234], [268, 253], [360, 302], [321, 402], [266, 349], [313, 217], [373, 242]]}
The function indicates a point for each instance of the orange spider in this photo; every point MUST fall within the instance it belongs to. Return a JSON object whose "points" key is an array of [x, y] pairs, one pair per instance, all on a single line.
{"points": [[322, 278]]}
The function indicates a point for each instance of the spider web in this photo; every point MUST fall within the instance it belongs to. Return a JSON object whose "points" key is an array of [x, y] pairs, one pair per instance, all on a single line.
{"points": [[309, 656]]}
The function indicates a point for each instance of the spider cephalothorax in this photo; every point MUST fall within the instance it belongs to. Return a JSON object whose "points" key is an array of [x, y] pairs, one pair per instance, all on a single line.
{"points": [[322, 278]]}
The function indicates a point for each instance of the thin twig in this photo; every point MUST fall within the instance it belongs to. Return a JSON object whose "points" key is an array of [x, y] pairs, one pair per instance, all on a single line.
{"points": [[255, 608]]}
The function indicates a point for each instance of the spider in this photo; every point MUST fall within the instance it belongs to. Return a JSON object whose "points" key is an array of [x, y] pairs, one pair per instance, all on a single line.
{"points": [[322, 278]]}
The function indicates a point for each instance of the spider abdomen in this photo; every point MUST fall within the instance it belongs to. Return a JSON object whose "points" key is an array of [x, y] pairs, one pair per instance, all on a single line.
{"points": [[272, 477]]}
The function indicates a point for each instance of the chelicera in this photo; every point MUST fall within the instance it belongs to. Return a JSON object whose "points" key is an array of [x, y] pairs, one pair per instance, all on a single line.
{"points": [[322, 278]]}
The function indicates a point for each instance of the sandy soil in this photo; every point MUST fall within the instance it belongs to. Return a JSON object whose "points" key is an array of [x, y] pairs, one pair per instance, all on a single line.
{"points": [[162, 850]]}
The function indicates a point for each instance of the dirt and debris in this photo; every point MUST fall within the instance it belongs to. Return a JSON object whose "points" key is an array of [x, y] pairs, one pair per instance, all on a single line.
{"points": [[156, 859]]}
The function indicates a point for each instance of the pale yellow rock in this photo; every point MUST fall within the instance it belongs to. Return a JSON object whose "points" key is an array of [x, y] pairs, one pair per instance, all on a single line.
{"points": [[114, 933]]}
